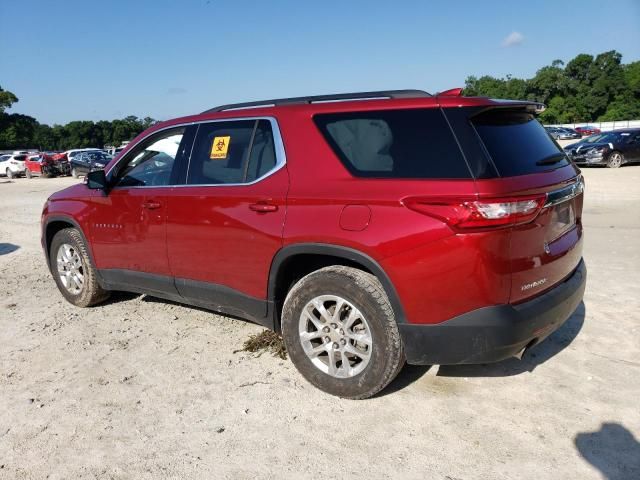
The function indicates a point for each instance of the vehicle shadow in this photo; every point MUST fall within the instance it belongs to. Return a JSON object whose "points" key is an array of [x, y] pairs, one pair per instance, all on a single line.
{"points": [[613, 450], [408, 375], [6, 248], [118, 296], [551, 346]]}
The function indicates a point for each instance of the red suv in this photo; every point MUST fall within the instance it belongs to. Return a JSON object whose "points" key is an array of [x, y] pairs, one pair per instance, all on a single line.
{"points": [[370, 229]]}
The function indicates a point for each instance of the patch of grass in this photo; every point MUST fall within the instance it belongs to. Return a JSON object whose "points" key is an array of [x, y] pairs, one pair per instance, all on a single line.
{"points": [[266, 340]]}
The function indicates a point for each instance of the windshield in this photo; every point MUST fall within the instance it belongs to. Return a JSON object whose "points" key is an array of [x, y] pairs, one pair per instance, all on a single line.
{"points": [[609, 137], [98, 157]]}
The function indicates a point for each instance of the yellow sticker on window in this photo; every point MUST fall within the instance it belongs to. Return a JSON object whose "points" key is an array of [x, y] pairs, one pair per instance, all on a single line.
{"points": [[219, 148]]}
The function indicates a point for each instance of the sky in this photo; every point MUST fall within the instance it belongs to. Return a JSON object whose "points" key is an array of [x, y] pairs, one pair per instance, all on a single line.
{"points": [[88, 60]]}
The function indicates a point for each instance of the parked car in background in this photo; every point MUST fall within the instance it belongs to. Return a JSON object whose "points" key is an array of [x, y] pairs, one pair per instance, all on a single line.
{"points": [[587, 130], [612, 149], [83, 162], [70, 154], [561, 133], [12, 165], [46, 165], [376, 237]]}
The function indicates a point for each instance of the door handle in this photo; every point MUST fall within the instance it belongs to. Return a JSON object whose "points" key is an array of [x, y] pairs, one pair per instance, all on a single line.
{"points": [[263, 207], [151, 205]]}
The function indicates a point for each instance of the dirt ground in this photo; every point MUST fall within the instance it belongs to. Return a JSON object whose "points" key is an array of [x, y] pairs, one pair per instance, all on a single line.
{"points": [[143, 388]]}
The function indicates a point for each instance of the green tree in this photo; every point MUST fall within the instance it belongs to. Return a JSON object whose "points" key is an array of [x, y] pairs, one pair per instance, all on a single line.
{"points": [[6, 100], [585, 89]]}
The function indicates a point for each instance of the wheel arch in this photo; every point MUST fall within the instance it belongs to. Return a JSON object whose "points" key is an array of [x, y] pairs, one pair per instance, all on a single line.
{"points": [[53, 225], [292, 262]]}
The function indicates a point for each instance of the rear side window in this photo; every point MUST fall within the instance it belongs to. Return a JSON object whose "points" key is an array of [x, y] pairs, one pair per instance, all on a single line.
{"points": [[517, 143], [231, 152], [394, 143]]}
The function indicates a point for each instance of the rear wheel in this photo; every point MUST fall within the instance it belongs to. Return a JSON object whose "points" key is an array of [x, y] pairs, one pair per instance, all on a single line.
{"points": [[74, 173], [73, 271], [615, 160], [340, 332], [27, 173], [10, 173]]}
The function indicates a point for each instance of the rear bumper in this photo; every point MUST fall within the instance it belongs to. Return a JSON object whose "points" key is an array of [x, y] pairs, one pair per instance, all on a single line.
{"points": [[491, 334]]}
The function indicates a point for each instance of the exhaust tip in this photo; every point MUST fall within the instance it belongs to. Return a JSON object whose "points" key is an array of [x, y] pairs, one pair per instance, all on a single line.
{"points": [[526, 348]]}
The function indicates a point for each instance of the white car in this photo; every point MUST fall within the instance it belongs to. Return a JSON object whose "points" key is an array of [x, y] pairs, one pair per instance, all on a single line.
{"points": [[12, 165]]}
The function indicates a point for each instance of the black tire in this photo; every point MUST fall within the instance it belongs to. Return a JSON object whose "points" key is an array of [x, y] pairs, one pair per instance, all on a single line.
{"points": [[91, 293], [10, 174], [615, 160], [27, 173], [74, 173], [365, 292]]}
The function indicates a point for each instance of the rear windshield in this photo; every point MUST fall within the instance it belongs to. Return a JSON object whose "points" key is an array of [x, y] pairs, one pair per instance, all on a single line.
{"points": [[20, 157], [517, 143], [414, 143]]}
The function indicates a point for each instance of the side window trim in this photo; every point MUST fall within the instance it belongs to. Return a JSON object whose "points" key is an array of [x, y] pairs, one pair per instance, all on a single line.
{"points": [[281, 156]]}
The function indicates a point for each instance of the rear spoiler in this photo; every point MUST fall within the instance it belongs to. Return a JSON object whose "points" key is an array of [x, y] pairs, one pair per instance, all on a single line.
{"points": [[535, 107]]}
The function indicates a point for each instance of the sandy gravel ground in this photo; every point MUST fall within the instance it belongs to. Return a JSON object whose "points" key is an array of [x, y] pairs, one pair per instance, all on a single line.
{"points": [[142, 388]]}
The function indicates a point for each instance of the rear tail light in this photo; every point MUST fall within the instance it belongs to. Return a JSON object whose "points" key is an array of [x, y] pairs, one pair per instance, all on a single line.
{"points": [[465, 214]]}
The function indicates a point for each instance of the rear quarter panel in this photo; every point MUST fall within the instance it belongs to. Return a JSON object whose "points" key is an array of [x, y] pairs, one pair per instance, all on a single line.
{"points": [[436, 273]]}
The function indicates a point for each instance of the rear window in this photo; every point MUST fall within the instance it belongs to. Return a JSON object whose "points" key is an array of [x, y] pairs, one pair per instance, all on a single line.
{"points": [[517, 143], [394, 143]]}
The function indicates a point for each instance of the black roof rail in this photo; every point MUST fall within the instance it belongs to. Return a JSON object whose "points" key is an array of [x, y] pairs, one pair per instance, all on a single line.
{"points": [[323, 98]]}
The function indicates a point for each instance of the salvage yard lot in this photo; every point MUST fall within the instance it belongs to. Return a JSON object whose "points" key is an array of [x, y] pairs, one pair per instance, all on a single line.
{"points": [[144, 388]]}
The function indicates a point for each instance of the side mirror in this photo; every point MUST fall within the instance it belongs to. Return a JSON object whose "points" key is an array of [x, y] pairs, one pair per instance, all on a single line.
{"points": [[97, 180]]}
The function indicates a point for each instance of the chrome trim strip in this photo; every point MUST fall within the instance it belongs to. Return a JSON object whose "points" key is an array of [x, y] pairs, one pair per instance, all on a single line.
{"points": [[566, 193], [278, 144]]}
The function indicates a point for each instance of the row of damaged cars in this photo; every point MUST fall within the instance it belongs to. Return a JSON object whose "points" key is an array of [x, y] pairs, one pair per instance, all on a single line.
{"points": [[566, 133], [74, 162], [611, 149]]}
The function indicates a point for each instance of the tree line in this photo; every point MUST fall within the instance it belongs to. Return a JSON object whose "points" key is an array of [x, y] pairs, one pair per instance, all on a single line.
{"points": [[586, 89], [19, 131]]}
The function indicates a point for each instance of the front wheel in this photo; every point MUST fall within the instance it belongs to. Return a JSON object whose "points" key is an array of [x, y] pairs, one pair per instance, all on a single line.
{"points": [[340, 332], [74, 173], [27, 173], [73, 271], [615, 160]]}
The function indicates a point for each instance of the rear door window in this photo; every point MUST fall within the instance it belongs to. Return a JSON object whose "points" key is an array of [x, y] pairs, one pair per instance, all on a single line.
{"points": [[517, 143], [416, 143], [232, 152]]}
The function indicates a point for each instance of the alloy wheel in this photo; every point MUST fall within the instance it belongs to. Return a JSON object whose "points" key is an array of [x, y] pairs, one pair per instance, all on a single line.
{"points": [[615, 160], [335, 336], [70, 268]]}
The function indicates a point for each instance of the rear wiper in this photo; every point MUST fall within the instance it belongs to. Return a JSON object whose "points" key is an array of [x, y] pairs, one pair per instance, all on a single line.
{"points": [[555, 158]]}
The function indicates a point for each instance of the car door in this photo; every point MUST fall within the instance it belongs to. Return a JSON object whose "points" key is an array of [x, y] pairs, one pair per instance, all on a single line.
{"points": [[225, 224], [632, 153], [128, 224], [80, 162]]}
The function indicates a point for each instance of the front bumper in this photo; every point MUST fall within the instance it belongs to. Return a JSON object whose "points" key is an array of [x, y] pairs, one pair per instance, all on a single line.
{"points": [[589, 160], [492, 334]]}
